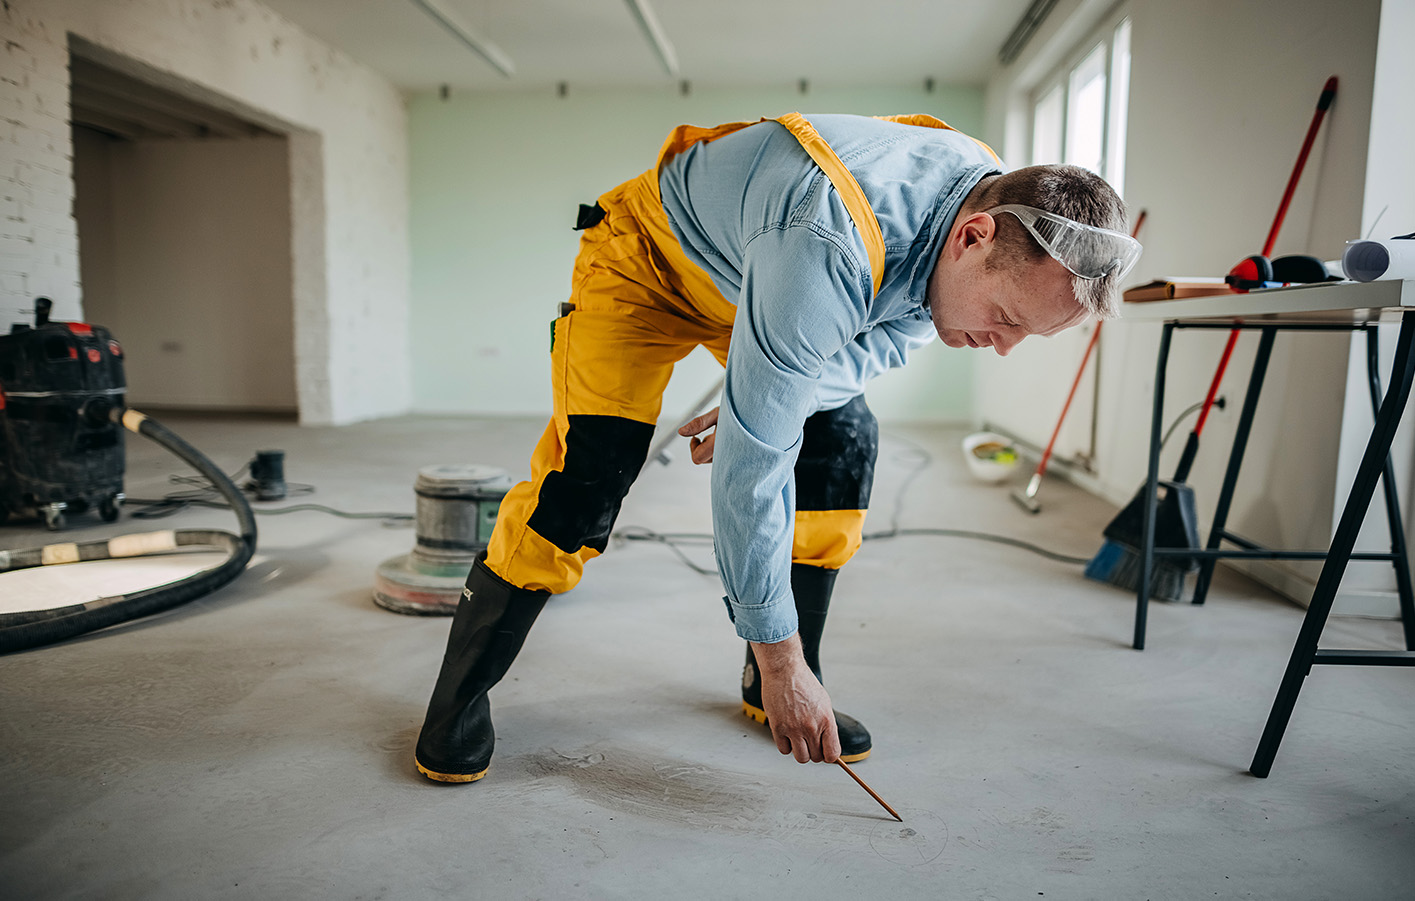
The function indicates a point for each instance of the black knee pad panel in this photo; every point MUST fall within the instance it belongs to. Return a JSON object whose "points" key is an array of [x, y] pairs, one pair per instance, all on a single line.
{"points": [[836, 466], [577, 506]]}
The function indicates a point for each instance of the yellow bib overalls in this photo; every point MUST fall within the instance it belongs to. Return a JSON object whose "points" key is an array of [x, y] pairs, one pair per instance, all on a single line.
{"points": [[638, 305]]}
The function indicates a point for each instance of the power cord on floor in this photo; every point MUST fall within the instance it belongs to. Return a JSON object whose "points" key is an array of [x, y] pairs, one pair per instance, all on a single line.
{"points": [[671, 540], [204, 494], [675, 541], [925, 459]]}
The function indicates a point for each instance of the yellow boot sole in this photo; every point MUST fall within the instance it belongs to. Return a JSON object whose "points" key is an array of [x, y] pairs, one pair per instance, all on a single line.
{"points": [[448, 777], [758, 714]]}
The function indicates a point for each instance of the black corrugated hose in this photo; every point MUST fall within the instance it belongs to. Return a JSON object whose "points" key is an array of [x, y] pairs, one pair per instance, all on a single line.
{"points": [[31, 629]]}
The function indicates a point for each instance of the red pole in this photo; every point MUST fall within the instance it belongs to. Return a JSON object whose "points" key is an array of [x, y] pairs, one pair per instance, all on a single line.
{"points": [[1328, 94], [1085, 358], [1027, 496]]}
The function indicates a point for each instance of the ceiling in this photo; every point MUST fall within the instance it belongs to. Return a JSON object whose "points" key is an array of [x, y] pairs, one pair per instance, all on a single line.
{"points": [[718, 43]]}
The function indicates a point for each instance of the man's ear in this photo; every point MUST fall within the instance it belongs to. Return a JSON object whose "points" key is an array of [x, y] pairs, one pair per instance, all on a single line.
{"points": [[976, 231]]}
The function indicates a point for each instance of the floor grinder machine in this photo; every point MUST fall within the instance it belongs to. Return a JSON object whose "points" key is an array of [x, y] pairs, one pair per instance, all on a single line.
{"points": [[457, 507]]}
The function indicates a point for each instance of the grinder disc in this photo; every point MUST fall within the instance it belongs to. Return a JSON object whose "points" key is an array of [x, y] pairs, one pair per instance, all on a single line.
{"points": [[400, 587]]}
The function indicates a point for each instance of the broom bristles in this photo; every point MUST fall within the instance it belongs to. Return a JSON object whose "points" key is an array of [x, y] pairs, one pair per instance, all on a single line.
{"points": [[1119, 565]]}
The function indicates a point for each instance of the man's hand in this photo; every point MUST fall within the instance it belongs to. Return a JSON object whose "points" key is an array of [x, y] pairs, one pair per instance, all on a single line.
{"points": [[795, 702], [700, 448]]}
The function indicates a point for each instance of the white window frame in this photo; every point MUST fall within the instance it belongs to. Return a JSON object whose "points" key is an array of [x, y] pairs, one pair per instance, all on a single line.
{"points": [[1116, 68], [1007, 394]]}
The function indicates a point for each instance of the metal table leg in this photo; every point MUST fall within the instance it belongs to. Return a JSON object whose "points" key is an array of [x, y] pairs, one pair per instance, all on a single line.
{"points": [[1392, 498], [1235, 460], [1373, 463], [1147, 534]]}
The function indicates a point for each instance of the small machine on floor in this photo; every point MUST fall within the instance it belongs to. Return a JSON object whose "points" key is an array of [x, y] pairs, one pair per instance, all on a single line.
{"points": [[457, 507], [55, 457]]}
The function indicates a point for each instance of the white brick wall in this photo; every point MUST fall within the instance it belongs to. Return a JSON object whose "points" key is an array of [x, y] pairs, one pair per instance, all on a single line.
{"points": [[348, 138], [38, 238]]}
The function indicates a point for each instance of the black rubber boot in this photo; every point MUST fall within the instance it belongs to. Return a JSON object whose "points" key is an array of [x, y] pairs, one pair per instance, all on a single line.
{"points": [[488, 629], [812, 587]]}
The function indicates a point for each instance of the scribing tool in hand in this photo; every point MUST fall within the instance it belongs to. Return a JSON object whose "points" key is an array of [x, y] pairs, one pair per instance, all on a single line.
{"points": [[846, 767]]}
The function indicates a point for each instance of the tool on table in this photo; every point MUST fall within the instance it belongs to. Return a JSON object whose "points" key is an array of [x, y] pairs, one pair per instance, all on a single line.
{"points": [[1028, 498], [846, 767], [1258, 271], [1176, 519]]}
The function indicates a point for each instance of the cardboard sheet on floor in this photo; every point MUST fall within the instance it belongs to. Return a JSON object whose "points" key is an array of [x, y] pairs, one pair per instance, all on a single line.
{"points": [[44, 587]]}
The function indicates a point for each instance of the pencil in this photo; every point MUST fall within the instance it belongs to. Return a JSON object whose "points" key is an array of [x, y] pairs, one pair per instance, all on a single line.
{"points": [[846, 767]]}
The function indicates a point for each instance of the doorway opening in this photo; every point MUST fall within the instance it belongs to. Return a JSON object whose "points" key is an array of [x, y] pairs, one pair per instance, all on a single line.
{"points": [[184, 220]]}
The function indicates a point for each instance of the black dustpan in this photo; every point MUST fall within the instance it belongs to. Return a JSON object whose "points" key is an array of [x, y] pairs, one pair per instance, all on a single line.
{"points": [[1176, 515], [1176, 519]]}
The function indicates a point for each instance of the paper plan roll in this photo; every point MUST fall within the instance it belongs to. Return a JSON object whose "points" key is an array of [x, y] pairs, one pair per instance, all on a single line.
{"points": [[1367, 261]]}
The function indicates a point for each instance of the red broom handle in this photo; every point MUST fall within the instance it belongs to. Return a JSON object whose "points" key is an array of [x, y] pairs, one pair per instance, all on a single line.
{"points": [[1323, 104], [1328, 94], [1085, 358]]}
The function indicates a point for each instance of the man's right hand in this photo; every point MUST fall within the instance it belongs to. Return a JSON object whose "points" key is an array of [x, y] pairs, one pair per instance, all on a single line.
{"points": [[796, 704], [700, 449]]}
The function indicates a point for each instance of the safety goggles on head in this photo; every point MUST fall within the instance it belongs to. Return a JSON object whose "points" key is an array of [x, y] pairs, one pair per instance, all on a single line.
{"points": [[1086, 250]]}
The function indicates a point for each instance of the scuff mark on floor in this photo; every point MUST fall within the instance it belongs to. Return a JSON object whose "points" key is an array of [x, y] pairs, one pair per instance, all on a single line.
{"points": [[684, 793], [678, 791]]}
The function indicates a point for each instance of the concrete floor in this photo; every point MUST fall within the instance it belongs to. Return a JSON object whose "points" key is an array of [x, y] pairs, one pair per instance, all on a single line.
{"points": [[257, 742]]}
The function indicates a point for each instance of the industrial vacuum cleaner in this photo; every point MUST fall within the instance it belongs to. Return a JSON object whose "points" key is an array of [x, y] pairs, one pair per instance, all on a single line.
{"points": [[62, 393]]}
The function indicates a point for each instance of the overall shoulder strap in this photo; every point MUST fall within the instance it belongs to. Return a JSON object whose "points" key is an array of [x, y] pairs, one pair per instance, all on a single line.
{"points": [[685, 136], [846, 186], [924, 120]]}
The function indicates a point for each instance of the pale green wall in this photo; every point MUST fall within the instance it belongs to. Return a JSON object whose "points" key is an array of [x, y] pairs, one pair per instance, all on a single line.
{"points": [[496, 180]]}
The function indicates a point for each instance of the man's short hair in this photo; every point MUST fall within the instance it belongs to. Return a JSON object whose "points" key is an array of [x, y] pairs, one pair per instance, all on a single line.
{"points": [[1078, 194]]}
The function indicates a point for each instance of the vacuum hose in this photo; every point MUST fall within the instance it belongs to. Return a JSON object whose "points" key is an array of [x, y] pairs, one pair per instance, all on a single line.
{"points": [[33, 628]]}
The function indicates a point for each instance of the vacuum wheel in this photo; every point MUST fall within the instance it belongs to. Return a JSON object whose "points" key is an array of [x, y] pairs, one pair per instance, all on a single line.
{"points": [[108, 507], [53, 517]]}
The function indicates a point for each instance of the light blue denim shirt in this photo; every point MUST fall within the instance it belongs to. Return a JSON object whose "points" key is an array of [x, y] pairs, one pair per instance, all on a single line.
{"points": [[756, 213]]}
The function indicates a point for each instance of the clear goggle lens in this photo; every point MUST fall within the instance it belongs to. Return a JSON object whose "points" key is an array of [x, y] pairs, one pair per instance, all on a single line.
{"points": [[1086, 250]]}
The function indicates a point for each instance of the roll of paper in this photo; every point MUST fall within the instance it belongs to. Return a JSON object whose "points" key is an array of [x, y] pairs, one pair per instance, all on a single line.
{"points": [[1368, 261]]}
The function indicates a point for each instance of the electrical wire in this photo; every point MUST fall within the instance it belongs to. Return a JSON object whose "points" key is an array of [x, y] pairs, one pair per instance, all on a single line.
{"points": [[982, 536], [205, 494], [670, 540], [675, 540], [1188, 411], [158, 509]]}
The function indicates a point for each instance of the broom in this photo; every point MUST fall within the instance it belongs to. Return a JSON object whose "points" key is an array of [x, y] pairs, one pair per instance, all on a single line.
{"points": [[1176, 521]]}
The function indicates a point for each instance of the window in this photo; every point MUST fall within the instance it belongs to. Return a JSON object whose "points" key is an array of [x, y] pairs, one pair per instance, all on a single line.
{"points": [[1078, 113]]}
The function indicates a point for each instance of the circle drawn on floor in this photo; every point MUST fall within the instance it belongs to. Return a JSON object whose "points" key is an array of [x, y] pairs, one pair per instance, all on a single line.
{"points": [[916, 841]]}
